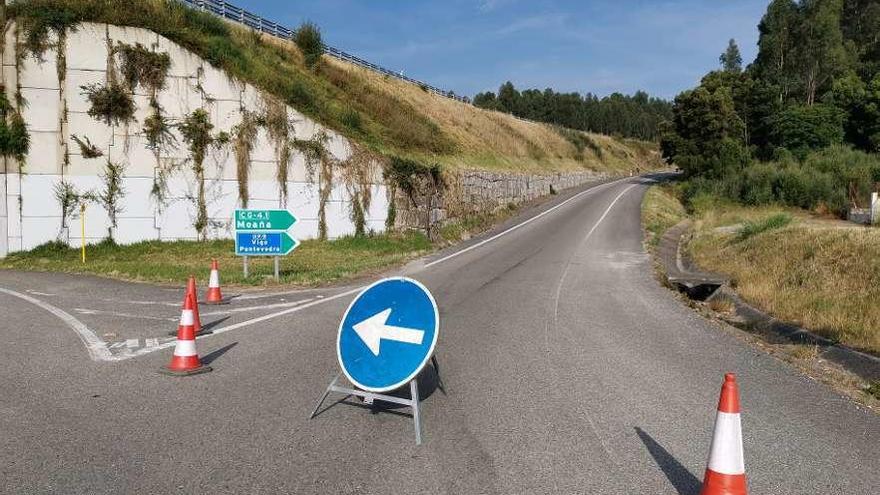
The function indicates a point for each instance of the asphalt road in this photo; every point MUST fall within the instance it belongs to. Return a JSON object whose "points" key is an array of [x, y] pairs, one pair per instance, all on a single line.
{"points": [[567, 369]]}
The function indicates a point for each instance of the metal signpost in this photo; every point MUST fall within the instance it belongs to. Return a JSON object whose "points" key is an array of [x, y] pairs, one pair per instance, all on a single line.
{"points": [[386, 337], [263, 233]]}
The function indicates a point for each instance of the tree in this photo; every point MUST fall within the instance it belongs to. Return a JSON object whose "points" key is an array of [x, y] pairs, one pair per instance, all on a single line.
{"points": [[821, 54], [508, 97], [708, 133], [775, 46], [731, 59]]}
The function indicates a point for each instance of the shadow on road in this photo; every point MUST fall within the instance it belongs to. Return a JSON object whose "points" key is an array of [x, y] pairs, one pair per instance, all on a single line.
{"points": [[207, 327], [684, 482], [211, 356], [428, 381]]}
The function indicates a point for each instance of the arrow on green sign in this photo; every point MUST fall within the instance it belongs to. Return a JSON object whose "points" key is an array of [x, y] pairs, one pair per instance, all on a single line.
{"points": [[261, 220], [288, 243]]}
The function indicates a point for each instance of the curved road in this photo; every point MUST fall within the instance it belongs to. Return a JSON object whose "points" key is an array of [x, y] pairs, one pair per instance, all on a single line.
{"points": [[567, 369]]}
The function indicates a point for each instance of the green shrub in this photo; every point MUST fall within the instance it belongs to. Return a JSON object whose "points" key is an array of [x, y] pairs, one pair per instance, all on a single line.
{"points": [[773, 222], [308, 39]]}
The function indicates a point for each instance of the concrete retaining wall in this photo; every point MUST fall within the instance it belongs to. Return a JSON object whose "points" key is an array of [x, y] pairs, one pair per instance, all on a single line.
{"points": [[56, 109]]}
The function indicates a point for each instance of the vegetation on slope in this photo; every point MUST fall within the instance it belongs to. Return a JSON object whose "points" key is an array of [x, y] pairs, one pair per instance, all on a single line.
{"points": [[757, 134], [388, 116], [819, 273], [314, 261], [661, 210]]}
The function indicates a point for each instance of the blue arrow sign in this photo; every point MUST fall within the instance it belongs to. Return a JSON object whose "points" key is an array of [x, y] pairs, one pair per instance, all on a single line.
{"points": [[264, 243], [387, 334]]}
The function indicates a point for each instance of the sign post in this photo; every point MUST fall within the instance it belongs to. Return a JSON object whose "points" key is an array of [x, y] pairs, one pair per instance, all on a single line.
{"points": [[385, 339], [263, 233]]}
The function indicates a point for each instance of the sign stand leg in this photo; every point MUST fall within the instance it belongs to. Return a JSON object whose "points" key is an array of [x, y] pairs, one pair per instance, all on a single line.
{"points": [[414, 395], [412, 402], [244, 264], [324, 397], [277, 270]]}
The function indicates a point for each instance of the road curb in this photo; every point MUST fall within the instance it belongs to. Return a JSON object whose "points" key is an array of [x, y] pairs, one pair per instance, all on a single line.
{"points": [[680, 271]]}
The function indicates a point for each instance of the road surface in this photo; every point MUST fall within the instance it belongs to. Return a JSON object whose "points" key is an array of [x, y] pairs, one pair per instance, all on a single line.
{"points": [[567, 369]]}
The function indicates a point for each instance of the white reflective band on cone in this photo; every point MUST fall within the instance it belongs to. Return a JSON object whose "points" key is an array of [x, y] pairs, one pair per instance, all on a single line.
{"points": [[214, 280], [186, 317], [185, 348], [726, 455]]}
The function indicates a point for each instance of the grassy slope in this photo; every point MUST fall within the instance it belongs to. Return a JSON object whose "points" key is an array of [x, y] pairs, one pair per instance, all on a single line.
{"points": [[313, 262], [387, 115], [661, 210], [822, 274]]}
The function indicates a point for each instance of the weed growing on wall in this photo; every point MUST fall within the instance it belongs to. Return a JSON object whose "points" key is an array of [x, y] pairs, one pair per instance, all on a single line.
{"points": [[36, 28], [279, 128], [69, 200], [243, 136], [196, 130], [86, 147], [109, 197], [14, 137], [140, 66], [357, 174], [415, 179], [110, 103]]}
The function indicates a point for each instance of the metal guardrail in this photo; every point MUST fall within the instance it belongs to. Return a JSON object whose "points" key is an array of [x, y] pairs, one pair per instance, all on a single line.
{"points": [[228, 11]]}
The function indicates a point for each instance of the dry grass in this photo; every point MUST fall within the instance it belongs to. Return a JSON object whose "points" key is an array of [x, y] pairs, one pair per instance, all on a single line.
{"points": [[815, 273], [661, 209], [493, 140]]}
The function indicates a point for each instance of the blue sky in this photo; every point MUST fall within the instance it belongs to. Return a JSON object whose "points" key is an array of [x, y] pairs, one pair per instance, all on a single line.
{"points": [[468, 46]]}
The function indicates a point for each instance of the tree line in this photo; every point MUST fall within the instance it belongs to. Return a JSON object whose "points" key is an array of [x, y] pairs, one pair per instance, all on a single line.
{"points": [[814, 85], [636, 116]]}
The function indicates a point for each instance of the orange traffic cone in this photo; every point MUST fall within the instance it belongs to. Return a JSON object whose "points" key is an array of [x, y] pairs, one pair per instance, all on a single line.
{"points": [[214, 296], [185, 360], [193, 293], [725, 472]]}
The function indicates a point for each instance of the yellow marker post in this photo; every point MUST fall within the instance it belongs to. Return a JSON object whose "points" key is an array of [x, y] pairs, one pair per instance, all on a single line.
{"points": [[82, 224]]}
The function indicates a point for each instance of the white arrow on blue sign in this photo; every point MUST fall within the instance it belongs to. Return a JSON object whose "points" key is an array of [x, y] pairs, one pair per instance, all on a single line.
{"points": [[387, 334]]}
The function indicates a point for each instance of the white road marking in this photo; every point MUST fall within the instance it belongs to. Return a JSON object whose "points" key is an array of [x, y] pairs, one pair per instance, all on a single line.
{"points": [[86, 311], [97, 348], [523, 224], [254, 308], [286, 311], [38, 293], [151, 342], [586, 237], [132, 343]]}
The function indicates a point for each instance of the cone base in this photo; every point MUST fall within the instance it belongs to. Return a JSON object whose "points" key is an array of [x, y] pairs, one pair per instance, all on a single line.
{"points": [[193, 371], [723, 484], [214, 303]]}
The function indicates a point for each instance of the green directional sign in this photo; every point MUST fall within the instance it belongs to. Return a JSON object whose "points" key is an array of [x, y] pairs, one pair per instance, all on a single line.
{"points": [[264, 243], [263, 220]]}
